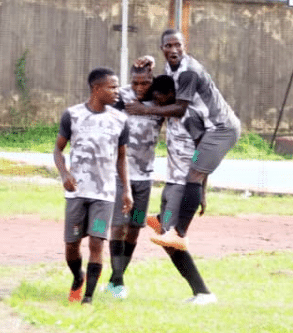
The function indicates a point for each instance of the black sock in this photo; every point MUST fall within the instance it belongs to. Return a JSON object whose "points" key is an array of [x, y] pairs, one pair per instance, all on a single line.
{"points": [[75, 267], [117, 261], [186, 266], [128, 251], [189, 204], [93, 273]]}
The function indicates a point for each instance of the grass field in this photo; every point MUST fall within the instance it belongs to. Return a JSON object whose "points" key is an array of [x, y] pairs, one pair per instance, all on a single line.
{"points": [[41, 138], [254, 292], [47, 201]]}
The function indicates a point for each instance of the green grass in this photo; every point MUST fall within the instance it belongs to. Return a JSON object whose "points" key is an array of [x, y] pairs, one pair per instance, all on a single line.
{"points": [[10, 168], [47, 201], [232, 203], [18, 198], [254, 292], [41, 138]]}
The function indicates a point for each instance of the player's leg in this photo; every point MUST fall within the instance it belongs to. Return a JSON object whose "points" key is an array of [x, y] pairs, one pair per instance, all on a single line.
{"points": [[210, 152], [99, 219], [75, 219], [117, 243], [182, 260], [141, 191]]}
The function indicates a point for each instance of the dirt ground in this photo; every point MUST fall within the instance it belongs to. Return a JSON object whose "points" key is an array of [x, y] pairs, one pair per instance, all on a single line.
{"points": [[27, 240]]}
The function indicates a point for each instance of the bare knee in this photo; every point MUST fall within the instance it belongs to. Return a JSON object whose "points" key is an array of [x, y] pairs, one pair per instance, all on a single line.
{"points": [[132, 234], [195, 176], [118, 232], [72, 250]]}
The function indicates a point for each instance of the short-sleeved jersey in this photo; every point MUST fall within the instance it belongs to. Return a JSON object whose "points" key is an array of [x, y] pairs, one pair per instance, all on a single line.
{"points": [[143, 136], [94, 141], [207, 109], [181, 149]]}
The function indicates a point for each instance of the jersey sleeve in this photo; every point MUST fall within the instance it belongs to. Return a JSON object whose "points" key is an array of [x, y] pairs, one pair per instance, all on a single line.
{"points": [[124, 137], [188, 83], [65, 125]]}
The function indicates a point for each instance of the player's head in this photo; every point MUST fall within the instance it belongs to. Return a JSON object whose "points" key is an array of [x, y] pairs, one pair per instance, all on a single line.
{"points": [[163, 89], [172, 45], [141, 81], [104, 85]]}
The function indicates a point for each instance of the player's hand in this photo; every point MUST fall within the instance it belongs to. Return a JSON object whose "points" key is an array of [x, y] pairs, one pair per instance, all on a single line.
{"points": [[135, 108], [69, 182], [203, 206], [127, 202], [146, 60]]}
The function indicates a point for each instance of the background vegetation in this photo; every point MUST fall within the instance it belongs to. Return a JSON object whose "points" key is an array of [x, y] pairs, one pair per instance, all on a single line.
{"points": [[41, 138]]}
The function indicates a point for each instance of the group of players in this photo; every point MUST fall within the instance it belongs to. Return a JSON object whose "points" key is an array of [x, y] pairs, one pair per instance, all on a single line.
{"points": [[112, 150]]}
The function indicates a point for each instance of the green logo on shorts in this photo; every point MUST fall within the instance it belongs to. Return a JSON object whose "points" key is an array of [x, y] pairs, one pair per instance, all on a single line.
{"points": [[99, 226], [195, 156], [167, 216], [138, 216]]}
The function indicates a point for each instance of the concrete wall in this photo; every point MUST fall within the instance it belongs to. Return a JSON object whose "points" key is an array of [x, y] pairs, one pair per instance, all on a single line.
{"points": [[246, 47]]}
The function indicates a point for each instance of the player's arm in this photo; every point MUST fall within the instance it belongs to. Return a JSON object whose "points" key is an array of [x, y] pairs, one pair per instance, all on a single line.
{"points": [[123, 174], [63, 137], [173, 110], [187, 87], [68, 180], [203, 203]]}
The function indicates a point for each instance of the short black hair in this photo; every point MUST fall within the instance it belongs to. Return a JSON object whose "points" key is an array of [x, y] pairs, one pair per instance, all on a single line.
{"points": [[169, 32], [138, 70], [163, 84], [98, 75]]}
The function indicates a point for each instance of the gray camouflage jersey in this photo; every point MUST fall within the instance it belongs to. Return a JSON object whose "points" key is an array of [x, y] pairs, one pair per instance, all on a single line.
{"points": [[207, 109], [180, 148], [143, 136], [94, 141]]}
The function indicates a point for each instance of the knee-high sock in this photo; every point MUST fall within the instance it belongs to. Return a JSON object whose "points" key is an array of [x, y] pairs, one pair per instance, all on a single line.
{"points": [[75, 267], [186, 266], [128, 251], [189, 205], [117, 261], [93, 273]]}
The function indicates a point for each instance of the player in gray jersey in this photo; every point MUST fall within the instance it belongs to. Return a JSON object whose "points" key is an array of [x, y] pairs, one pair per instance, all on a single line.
{"points": [[206, 115], [143, 136], [98, 135]]}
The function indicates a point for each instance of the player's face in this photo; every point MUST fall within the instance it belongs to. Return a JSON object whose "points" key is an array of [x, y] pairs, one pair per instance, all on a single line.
{"points": [[173, 48], [108, 92], [163, 99], [141, 83]]}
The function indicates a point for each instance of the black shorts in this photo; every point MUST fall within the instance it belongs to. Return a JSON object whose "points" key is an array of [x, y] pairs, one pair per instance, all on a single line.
{"points": [[85, 217], [141, 193]]}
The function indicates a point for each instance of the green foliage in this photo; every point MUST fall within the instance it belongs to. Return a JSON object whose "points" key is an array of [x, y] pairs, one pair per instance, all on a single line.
{"points": [[253, 146], [40, 138], [24, 114], [254, 293]]}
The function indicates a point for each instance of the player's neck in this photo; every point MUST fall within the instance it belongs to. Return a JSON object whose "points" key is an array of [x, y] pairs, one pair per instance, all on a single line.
{"points": [[95, 106]]}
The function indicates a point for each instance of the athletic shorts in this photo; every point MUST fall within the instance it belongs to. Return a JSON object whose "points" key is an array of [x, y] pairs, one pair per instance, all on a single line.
{"points": [[141, 193], [212, 148], [85, 217], [170, 205]]}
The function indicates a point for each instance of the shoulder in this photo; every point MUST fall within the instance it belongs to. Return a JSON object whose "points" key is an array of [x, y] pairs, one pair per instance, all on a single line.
{"points": [[193, 64], [126, 93], [77, 108], [116, 114]]}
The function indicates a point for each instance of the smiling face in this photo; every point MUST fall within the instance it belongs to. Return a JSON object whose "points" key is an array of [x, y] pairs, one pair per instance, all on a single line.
{"points": [[173, 48], [141, 83]]}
